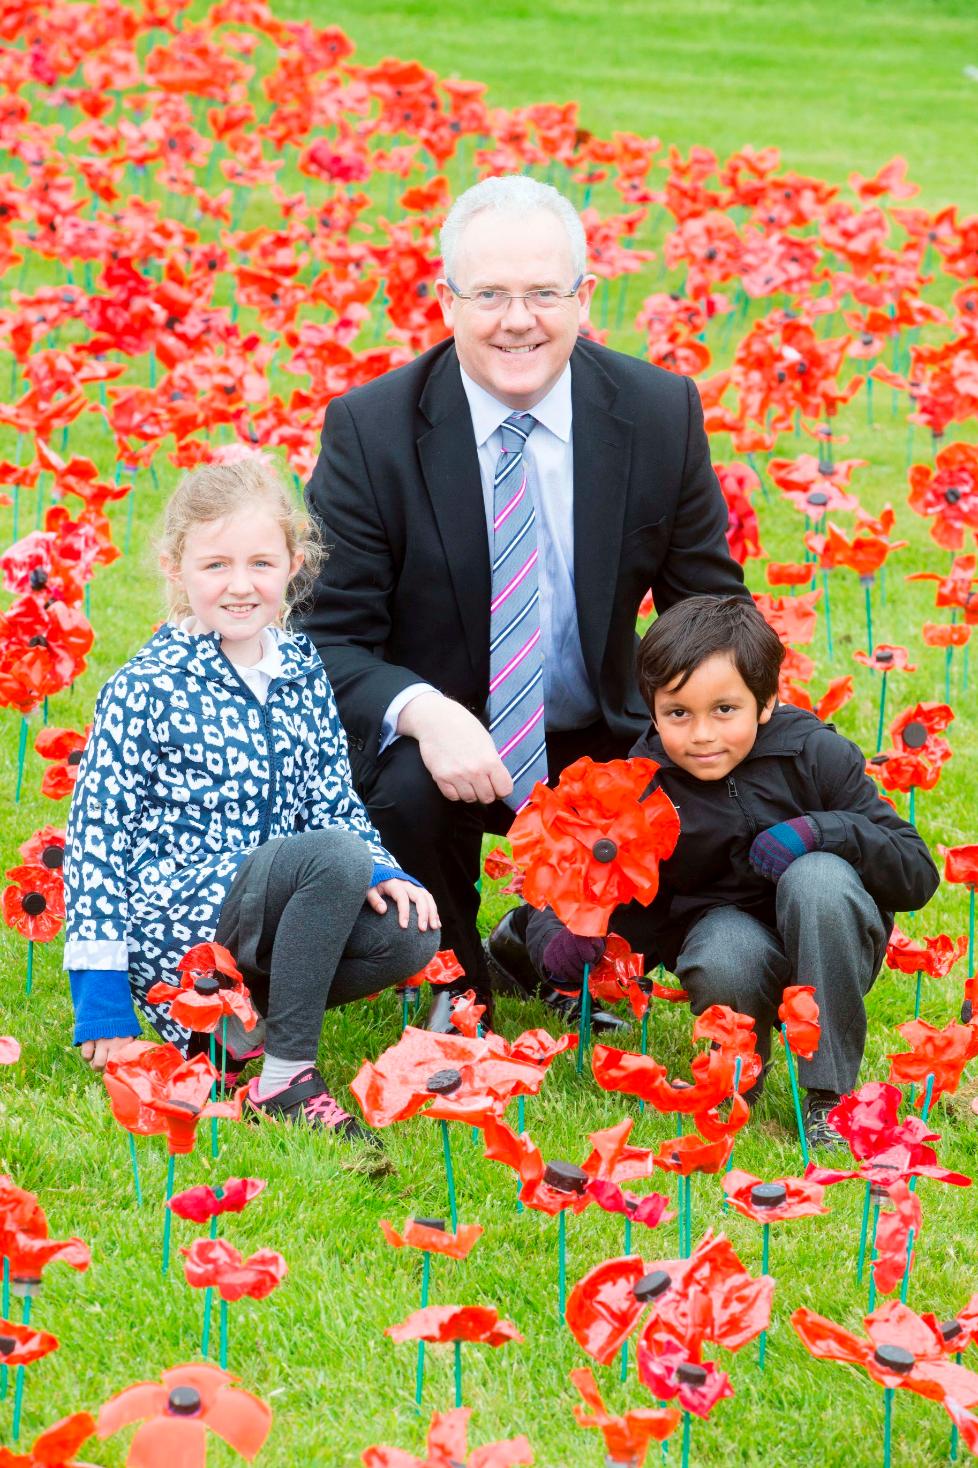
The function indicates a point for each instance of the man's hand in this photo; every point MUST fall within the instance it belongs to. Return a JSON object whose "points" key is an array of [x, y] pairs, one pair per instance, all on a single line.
{"points": [[403, 894], [98, 1052], [566, 954], [457, 751]]}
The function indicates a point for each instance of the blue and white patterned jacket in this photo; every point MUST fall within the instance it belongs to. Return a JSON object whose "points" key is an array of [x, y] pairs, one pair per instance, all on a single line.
{"points": [[185, 773]]}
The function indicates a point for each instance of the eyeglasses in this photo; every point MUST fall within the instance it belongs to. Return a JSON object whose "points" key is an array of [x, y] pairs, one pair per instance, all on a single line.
{"points": [[544, 299]]}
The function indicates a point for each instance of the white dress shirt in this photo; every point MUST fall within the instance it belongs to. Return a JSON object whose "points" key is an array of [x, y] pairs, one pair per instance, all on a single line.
{"points": [[568, 699]]}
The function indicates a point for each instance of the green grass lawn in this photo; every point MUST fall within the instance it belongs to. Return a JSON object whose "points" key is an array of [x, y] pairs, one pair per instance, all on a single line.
{"points": [[837, 88]]}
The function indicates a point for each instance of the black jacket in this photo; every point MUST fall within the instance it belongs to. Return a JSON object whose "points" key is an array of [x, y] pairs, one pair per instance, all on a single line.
{"points": [[798, 766], [404, 595]]}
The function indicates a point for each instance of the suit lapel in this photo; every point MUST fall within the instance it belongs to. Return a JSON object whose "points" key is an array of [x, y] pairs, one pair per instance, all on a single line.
{"points": [[602, 458], [450, 465]]}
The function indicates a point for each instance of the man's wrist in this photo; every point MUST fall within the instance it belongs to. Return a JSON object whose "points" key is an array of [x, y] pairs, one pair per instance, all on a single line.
{"points": [[414, 716]]}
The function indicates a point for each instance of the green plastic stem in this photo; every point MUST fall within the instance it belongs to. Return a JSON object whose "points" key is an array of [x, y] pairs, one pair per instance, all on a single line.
{"points": [[224, 1335], [5, 1314], [879, 726], [167, 1213], [765, 1257], [521, 1128], [887, 1425], [21, 756], [135, 1170], [793, 1078], [916, 999], [584, 1026], [863, 1231], [449, 1175], [19, 1381], [419, 1370], [624, 1349], [458, 1371], [29, 984], [687, 1429], [561, 1262], [872, 1256]]}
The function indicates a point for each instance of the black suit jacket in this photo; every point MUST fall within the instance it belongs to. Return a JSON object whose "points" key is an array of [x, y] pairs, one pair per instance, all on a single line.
{"points": [[404, 595]]}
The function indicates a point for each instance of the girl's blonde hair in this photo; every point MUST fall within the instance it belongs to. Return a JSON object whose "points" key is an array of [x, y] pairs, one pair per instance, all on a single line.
{"points": [[212, 491]]}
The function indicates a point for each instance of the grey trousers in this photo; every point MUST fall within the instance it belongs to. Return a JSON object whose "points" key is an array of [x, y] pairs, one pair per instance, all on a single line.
{"points": [[305, 941], [829, 933]]}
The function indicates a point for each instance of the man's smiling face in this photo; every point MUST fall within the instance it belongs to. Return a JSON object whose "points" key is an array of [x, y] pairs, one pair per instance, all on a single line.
{"points": [[516, 355]]}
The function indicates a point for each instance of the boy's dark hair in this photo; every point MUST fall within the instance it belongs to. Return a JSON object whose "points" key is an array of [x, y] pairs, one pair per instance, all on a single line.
{"points": [[699, 628]]}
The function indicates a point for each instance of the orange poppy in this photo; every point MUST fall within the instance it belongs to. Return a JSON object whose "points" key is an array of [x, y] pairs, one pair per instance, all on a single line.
{"points": [[176, 1416]]}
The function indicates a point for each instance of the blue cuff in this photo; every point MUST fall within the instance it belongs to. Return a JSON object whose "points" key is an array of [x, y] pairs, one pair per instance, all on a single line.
{"points": [[103, 1004], [381, 873]]}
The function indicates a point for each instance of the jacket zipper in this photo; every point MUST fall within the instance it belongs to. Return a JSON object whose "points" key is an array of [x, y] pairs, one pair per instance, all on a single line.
{"points": [[734, 795]]}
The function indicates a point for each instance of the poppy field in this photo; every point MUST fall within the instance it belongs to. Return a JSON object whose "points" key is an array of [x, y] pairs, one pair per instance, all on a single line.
{"points": [[213, 219]]}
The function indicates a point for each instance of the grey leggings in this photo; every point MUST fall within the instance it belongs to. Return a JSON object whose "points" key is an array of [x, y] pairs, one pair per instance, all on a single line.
{"points": [[318, 945]]}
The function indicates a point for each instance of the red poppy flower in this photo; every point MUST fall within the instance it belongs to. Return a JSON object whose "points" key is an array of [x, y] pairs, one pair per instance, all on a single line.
{"points": [[838, 693], [448, 1446], [775, 1202], [865, 553], [892, 1236], [55, 1447], [176, 1417], [940, 1053], [439, 1323], [945, 634], [444, 968], [960, 864], [448, 1077], [798, 1012], [726, 1028], [651, 1209], [9, 1050], [42, 650], [886, 658], [546, 1187], [535, 1047], [814, 486], [947, 494], [690, 1154], [737, 483], [642, 1076], [672, 1369], [869, 1121], [933, 956], [793, 617], [466, 1014], [29, 1252], [209, 990], [499, 864], [594, 842], [788, 573], [712, 1127], [616, 976], [626, 1438], [201, 1203], [917, 729], [904, 1350], [45, 847], [900, 1162], [216, 1264], [153, 1090], [21, 1344], [35, 904], [910, 771], [431, 1235]]}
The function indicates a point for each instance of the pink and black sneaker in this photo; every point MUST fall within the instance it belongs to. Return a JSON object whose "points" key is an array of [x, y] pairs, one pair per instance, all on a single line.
{"points": [[306, 1101]]}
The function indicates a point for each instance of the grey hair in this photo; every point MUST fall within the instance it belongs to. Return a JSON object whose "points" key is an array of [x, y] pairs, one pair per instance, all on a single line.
{"points": [[517, 195]]}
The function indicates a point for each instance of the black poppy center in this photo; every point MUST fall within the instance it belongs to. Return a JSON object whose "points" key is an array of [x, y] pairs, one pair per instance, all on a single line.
{"points": [[8, 1343], [33, 903], [184, 1401], [438, 1223], [565, 1177], [38, 578], [691, 1374], [950, 1330], [895, 1359], [187, 1106], [207, 984], [604, 850], [39, 641], [884, 655], [53, 857], [75, 757], [444, 1082], [768, 1195], [952, 496], [914, 735], [818, 497], [866, 339], [651, 1286]]}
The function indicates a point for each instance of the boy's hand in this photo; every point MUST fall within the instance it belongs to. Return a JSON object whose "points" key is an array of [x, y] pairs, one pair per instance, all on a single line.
{"points": [[402, 894], [98, 1052], [565, 956], [773, 851]]}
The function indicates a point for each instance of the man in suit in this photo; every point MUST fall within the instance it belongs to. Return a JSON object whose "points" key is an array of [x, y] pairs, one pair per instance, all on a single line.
{"points": [[597, 468]]}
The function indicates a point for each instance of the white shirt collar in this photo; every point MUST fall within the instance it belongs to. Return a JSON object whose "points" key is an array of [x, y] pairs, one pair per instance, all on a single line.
{"points": [[270, 662], [488, 413]]}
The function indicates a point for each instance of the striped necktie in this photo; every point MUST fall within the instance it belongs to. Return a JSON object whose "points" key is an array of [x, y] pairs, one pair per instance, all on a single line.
{"points": [[515, 654]]}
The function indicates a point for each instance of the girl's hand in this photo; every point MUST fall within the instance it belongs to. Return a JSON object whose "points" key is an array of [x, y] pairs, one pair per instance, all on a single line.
{"points": [[403, 894], [98, 1052]]}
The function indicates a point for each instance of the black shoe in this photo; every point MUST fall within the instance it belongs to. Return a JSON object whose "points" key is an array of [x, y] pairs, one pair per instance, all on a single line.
{"points": [[513, 973], [818, 1130], [439, 1020]]}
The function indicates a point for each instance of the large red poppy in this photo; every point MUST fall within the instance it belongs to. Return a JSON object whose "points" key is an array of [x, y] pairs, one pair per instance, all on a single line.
{"points": [[798, 1012], [447, 1445], [933, 956], [640, 1075], [773, 1202], [448, 1077], [210, 989], [626, 1438], [35, 905], [216, 1264], [594, 842], [616, 976], [960, 864], [869, 1121], [176, 1416], [942, 1054], [153, 1090]]}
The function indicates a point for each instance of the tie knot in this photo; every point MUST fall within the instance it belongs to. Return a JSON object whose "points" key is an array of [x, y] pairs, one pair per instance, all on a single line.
{"points": [[516, 430]]}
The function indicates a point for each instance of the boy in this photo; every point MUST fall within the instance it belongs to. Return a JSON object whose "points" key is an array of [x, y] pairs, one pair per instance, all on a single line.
{"points": [[788, 867]]}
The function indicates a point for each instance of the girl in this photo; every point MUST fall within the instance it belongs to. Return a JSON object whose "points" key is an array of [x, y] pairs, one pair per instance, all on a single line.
{"points": [[214, 803]]}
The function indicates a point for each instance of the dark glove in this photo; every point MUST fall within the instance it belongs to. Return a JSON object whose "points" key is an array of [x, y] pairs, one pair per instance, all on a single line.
{"points": [[565, 956], [775, 849]]}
